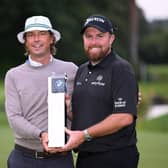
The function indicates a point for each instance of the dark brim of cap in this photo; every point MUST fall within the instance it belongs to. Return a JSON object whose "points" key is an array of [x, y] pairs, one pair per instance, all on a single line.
{"points": [[95, 26]]}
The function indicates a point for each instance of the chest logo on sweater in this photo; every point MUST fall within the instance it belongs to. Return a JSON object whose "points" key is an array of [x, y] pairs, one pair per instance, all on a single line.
{"points": [[99, 81], [120, 103]]}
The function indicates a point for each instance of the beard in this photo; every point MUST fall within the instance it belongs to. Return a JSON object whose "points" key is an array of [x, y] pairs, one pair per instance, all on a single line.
{"points": [[97, 53]]}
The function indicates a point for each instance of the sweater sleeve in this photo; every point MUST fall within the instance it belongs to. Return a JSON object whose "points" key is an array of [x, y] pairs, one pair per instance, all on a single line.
{"points": [[21, 126]]}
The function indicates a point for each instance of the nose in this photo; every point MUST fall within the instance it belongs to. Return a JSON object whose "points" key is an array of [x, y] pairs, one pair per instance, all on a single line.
{"points": [[36, 37], [93, 40]]}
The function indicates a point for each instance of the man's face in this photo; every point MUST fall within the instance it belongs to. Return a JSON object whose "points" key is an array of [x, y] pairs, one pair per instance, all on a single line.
{"points": [[97, 44], [38, 43]]}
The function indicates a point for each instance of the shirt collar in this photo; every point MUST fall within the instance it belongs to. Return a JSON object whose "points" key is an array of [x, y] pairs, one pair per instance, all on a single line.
{"points": [[37, 64]]}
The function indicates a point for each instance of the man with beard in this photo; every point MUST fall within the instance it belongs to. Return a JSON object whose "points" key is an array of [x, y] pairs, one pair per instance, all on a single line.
{"points": [[104, 103]]}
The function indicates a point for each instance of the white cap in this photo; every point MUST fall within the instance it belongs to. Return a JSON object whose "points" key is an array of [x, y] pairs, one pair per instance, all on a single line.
{"points": [[38, 23]]}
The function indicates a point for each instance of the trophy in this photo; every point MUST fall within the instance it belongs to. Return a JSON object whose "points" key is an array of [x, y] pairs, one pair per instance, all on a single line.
{"points": [[56, 110]]}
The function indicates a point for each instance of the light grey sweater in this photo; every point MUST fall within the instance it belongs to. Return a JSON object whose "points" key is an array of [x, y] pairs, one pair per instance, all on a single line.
{"points": [[26, 91]]}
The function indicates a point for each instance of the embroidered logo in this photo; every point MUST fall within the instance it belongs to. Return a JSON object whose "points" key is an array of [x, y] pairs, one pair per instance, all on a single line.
{"points": [[94, 19], [120, 103], [78, 83], [98, 81]]}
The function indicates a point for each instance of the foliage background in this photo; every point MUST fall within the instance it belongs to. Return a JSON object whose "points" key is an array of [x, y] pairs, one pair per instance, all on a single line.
{"points": [[67, 17]]}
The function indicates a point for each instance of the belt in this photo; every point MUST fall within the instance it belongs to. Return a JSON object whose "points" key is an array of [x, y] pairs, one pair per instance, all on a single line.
{"points": [[39, 155]]}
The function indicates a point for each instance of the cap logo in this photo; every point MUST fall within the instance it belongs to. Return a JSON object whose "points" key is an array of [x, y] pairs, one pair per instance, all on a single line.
{"points": [[94, 19]]}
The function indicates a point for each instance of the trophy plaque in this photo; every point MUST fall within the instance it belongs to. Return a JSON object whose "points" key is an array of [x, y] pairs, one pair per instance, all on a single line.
{"points": [[56, 110]]}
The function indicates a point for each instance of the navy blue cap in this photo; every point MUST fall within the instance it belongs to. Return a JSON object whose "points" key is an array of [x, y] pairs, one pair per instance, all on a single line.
{"points": [[100, 22]]}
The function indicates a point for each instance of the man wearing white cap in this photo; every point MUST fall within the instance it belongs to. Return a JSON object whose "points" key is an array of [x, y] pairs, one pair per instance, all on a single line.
{"points": [[26, 97]]}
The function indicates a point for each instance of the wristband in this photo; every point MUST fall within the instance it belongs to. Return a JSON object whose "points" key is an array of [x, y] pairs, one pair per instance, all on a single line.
{"points": [[87, 136]]}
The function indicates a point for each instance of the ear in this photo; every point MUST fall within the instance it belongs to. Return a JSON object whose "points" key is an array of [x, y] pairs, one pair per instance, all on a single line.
{"points": [[112, 38], [52, 40]]}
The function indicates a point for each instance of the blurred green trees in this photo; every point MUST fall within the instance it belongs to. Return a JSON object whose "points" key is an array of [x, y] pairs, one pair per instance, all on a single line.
{"points": [[67, 17]]}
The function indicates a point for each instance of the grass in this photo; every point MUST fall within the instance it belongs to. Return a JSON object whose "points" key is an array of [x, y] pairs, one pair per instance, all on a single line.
{"points": [[152, 142], [155, 86], [158, 72], [153, 149], [6, 145], [153, 134], [154, 125], [151, 89], [1, 96], [7, 142]]}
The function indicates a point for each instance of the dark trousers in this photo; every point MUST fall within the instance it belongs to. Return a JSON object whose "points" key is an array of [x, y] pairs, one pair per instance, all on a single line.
{"points": [[123, 158], [19, 159]]}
